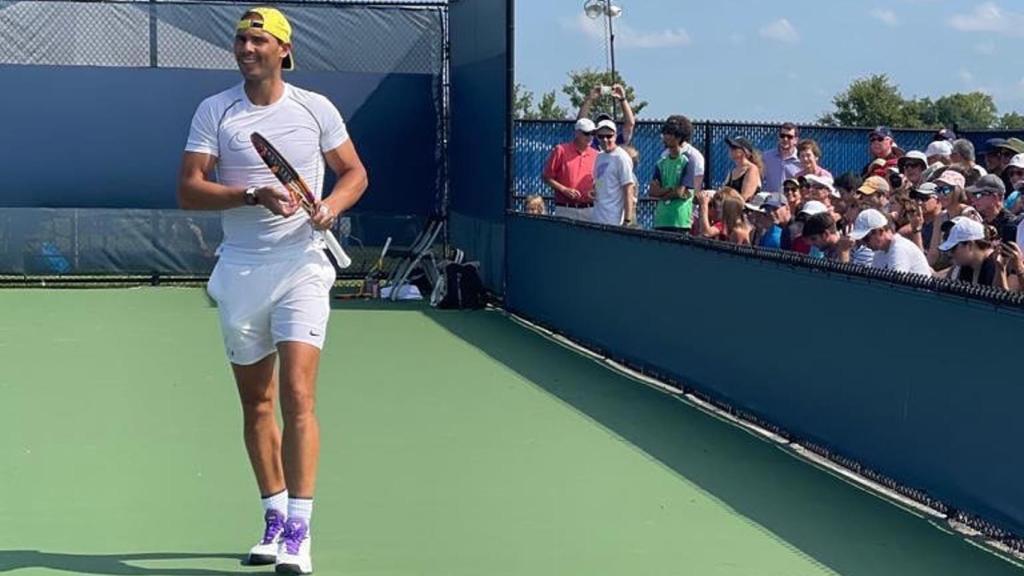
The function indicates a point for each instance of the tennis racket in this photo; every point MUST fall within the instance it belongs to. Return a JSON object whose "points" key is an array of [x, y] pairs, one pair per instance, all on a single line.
{"points": [[297, 187]]}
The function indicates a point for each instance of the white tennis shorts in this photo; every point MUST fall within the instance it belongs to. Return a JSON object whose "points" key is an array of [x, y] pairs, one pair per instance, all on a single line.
{"points": [[262, 305]]}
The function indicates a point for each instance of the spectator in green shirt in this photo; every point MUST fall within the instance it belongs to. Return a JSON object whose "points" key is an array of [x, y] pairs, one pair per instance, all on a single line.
{"points": [[675, 201]]}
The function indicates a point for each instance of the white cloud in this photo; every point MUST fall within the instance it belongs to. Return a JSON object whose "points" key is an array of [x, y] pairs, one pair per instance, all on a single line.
{"points": [[989, 17], [966, 76], [780, 31], [662, 39], [628, 37], [985, 48], [887, 17]]}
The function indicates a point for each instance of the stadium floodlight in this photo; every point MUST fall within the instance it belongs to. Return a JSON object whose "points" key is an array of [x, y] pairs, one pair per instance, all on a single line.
{"points": [[598, 8], [595, 9]]}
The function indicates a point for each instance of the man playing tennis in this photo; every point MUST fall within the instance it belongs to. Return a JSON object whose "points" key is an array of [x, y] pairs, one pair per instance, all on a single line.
{"points": [[272, 280]]}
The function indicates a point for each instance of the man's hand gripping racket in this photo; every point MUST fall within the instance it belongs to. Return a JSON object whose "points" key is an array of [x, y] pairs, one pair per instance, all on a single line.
{"points": [[299, 190]]}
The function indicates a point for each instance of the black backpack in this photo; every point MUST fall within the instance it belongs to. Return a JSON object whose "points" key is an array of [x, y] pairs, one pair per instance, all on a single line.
{"points": [[459, 287]]}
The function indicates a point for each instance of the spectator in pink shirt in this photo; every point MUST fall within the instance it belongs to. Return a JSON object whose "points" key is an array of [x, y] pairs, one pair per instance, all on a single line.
{"points": [[569, 172], [809, 154]]}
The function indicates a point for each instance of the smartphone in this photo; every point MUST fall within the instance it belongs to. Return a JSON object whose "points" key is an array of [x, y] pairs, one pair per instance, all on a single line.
{"points": [[1008, 232]]}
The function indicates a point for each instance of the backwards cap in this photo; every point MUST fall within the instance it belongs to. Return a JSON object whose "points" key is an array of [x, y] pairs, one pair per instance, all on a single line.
{"points": [[274, 23]]}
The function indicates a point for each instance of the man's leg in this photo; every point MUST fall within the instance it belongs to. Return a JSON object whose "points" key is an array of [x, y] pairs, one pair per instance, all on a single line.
{"points": [[301, 440], [300, 451], [257, 388]]}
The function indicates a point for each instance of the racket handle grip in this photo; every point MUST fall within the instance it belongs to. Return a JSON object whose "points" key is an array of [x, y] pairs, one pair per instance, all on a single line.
{"points": [[334, 247]]}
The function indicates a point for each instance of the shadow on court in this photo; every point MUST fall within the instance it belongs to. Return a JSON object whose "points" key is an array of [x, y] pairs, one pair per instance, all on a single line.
{"points": [[837, 525], [113, 564]]}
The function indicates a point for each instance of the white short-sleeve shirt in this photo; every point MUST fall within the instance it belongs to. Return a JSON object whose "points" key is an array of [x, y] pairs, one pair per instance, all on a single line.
{"points": [[902, 256], [302, 125], [612, 171]]}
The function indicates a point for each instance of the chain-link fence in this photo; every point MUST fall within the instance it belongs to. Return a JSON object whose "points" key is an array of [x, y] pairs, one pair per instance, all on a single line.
{"points": [[843, 149], [117, 74], [176, 34]]}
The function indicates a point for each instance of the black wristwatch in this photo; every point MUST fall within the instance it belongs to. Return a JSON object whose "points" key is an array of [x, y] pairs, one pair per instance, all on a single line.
{"points": [[251, 199]]}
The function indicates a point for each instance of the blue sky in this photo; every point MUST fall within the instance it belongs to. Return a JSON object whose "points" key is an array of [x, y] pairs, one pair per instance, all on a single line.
{"points": [[777, 60]]}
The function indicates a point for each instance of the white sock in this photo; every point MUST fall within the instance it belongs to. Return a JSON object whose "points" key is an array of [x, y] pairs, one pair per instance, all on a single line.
{"points": [[300, 508], [277, 502]]}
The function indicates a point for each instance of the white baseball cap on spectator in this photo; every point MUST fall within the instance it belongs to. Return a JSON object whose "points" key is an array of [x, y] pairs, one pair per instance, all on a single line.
{"points": [[924, 191], [911, 156], [823, 181], [758, 201], [867, 221], [964, 230], [603, 124], [812, 207], [1017, 161], [585, 125], [939, 148]]}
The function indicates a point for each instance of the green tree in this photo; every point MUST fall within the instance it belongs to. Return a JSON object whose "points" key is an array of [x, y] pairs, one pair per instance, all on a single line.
{"points": [[876, 100], [547, 109], [972, 111], [871, 101], [522, 101], [1011, 121], [581, 82]]}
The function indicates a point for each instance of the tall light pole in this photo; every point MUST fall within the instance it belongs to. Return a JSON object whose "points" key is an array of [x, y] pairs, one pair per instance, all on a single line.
{"points": [[604, 8]]}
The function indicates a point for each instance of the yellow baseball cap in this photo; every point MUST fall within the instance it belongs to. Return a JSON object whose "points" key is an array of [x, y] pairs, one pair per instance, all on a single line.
{"points": [[274, 23]]}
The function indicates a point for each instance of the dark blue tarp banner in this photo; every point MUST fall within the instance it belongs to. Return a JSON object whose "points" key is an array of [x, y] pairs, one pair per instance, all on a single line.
{"points": [[479, 124], [919, 386]]}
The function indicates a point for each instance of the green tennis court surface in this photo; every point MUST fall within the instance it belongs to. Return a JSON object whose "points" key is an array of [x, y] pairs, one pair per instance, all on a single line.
{"points": [[453, 444]]}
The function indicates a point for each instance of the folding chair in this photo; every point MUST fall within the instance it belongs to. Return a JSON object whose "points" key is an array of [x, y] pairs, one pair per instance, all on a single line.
{"points": [[419, 253]]}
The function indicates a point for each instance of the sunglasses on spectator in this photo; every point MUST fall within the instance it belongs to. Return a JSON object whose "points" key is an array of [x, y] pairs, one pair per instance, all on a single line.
{"points": [[944, 190], [787, 136], [605, 136], [1017, 173], [877, 139], [818, 187], [981, 194], [790, 188]]}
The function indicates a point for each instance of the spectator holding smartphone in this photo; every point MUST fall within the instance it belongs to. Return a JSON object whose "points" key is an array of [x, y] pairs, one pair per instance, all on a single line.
{"points": [[821, 231], [921, 225], [722, 216], [618, 93], [979, 258], [987, 196], [949, 189], [1015, 175]]}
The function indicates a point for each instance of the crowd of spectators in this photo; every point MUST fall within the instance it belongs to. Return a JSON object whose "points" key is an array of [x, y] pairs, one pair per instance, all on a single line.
{"points": [[932, 212]]}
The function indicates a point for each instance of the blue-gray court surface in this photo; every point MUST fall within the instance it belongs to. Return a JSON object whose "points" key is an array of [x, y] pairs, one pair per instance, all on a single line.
{"points": [[454, 443]]}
